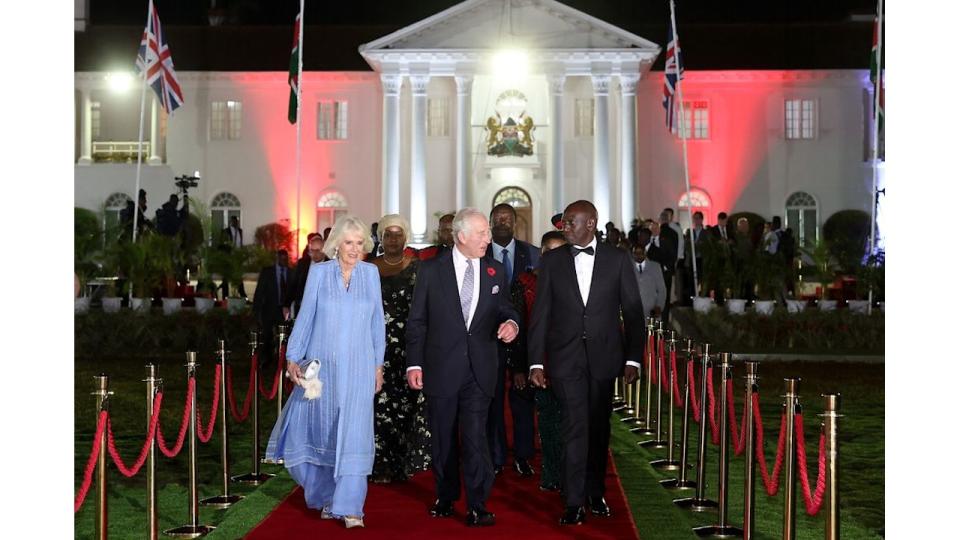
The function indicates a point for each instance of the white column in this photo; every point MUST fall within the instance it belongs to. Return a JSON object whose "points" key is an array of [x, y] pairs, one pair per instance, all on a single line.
{"points": [[556, 142], [391, 142], [601, 148], [464, 163], [154, 159], [418, 157], [628, 148], [86, 128]]}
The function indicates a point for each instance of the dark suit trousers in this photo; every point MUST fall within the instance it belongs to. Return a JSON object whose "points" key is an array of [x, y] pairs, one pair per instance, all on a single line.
{"points": [[521, 409], [585, 408], [668, 283], [467, 410]]}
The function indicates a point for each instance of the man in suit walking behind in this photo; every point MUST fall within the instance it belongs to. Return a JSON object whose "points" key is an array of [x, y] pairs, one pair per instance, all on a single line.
{"points": [[575, 340], [461, 307], [268, 302]]}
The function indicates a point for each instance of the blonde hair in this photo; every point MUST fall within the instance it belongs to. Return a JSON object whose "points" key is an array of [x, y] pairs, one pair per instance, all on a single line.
{"points": [[347, 224], [394, 220]]}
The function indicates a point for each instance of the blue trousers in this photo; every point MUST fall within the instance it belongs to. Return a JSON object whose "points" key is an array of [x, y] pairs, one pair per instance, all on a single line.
{"points": [[342, 496]]}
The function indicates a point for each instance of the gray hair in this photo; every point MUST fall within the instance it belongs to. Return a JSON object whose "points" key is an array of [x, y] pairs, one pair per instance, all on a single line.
{"points": [[344, 225], [460, 223]]}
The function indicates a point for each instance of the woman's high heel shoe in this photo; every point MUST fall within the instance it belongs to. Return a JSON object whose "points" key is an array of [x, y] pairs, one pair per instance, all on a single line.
{"points": [[352, 521]]}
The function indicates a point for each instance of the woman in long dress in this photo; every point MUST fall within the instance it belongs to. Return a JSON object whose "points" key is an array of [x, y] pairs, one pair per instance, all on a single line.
{"points": [[326, 441], [400, 428]]}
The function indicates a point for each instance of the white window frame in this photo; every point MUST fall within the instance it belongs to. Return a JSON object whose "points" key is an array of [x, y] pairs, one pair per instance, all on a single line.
{"points": [[330, 206], [438, 116], [800, 119], [332, 120], [798, 228], [697, 112], [583, 113], [226, 120], [225, 210], [95, 110]]}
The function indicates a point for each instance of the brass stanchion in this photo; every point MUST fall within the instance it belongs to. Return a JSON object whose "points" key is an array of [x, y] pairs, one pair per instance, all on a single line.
{"points": [[682, 482], [722, 529], [281, 330], [154, 384], [699, 502], [658, 440], [832, 492], [194, 529], [627, 410], [255, 477], [791, 404], [645, 427], [618, 400], [749, 463], [225, 500], [102, 393], [671, 463]]}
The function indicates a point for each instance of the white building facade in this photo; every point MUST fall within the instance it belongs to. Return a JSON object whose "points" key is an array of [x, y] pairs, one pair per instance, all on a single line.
{"points": [[429, 131]]}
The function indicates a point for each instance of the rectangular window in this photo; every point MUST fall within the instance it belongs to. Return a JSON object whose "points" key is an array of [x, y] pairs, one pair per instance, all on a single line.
{"points": [[583, 118], [696, 119], [225, 120], [800, 118], [332, 120], [438, 117], [94, 120]]}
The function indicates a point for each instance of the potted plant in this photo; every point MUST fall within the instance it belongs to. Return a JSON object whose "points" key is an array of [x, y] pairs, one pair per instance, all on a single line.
{"points": [[823, 270], [768, 274], [870, 277], [230, 264], [87, 244]]}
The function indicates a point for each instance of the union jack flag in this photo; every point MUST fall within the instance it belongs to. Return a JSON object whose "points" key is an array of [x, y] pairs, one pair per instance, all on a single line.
{"points": [[154, 57], [670, 76]]}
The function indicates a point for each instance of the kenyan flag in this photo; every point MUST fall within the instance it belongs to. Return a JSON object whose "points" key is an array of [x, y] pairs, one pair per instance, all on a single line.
{"points": [[294, 77], [877, 67]]}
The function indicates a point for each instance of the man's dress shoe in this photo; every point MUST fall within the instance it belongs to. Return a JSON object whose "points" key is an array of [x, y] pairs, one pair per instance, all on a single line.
{"points": [[599, 507], [480, 518], [441, 509], [523, 468], [573, 515]]}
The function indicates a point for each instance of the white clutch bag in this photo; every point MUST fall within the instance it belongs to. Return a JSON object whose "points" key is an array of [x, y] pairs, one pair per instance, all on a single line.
{"points": [[310, 381]]}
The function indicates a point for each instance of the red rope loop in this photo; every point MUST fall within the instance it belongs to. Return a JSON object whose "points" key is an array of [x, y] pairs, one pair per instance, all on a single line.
{"points": [[142, 457], [205, 434], [712, 408], [739, 432], [692, 384], [677, 398], [184, 422], [242, 415], [91, 463], [276, 378], [814, 501], [770, 482]]}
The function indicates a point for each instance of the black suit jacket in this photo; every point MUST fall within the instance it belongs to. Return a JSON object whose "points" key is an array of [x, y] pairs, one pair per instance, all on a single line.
{"points": [[267, 298], [526, 257], [570, 338], [437, 338], [297, 282], [666, 252]]}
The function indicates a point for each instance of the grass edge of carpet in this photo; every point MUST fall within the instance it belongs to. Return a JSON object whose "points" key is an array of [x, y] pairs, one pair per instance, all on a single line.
{"points": [[244, 516]]}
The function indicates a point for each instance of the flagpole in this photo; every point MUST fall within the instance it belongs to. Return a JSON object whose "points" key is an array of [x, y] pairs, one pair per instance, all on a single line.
{"points": [[299, 113], [877, 90], [683, 136], [143, 101]]}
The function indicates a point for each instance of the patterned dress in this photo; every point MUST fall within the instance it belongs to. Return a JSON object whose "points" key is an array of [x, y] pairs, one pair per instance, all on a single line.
{"points": [[402, 438]]}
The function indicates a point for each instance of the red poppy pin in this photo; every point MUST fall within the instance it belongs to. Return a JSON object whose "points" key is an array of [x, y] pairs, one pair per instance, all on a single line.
{"points": [[492, 271]]}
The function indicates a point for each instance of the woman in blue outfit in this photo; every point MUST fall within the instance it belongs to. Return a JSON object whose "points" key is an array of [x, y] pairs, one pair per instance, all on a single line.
{"points": [[326, 441]]}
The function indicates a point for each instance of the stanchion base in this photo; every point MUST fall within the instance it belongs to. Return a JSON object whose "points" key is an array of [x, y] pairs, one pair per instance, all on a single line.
{"points": [[653, 443], [666, 464], [619, 404], [632, 420], [190, 531], [717, 531], [674, 484], [643, 431], [696, 505], [266, 461], [221, 501], [626, 411], [251, 478]]}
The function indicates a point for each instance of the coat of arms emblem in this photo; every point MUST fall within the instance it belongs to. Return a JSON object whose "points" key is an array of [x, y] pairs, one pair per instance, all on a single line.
{"points": [[513, 136]]}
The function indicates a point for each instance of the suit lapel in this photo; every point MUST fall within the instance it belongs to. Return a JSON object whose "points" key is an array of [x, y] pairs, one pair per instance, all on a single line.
{"points": [[521, 260], [448, 282], [600, 258], [572, 270], [486, 285]]}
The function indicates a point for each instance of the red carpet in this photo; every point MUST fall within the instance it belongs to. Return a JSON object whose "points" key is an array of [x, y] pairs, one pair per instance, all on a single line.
{"points": [[399, 511]]}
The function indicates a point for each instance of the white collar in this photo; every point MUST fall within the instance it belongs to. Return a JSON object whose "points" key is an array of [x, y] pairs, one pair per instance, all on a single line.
{"points": [[510, 247], [458, 256]]}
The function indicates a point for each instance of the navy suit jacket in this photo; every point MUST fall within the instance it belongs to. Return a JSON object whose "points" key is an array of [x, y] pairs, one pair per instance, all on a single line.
{"points": [[437, 337]]}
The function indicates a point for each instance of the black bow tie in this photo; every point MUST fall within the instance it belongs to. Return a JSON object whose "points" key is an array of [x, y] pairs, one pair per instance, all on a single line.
{"points": [[576, 250]]}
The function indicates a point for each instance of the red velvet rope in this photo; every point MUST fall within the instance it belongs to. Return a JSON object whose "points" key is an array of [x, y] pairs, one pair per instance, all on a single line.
{"points": [[692, 383], [276, 379], [91, 463], [812, 502], [677, 398], [739, 433], [205, 434], [771, 483], [181, 435], [712, 408], [142, 457], [241, 416]]}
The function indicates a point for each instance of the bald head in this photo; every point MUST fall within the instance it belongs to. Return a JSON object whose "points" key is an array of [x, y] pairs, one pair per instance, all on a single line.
{"points": [[580, 223]]}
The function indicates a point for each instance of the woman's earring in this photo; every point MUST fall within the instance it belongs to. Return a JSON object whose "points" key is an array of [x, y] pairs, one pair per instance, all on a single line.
{"points": [[336, 252]]}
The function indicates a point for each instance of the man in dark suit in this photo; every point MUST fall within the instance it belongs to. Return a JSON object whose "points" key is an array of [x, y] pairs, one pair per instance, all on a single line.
{"points": [[233, 234], [460, 308], [575, 340], [312, 254], [662, 248], [517, 257], [444, 239], [694, 240], [723, 236], [268, 302]]}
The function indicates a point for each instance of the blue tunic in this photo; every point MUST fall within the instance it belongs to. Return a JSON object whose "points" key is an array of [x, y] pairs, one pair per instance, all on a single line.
{"points": [[345, 330]]}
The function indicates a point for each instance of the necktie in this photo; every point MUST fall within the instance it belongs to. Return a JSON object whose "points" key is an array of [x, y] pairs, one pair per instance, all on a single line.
{"points": [[507, 264], [466, 292], [577, 250]]}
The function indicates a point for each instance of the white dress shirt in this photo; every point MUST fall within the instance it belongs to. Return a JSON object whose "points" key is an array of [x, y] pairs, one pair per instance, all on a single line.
{"points": [[511, 251], [583, 264]]}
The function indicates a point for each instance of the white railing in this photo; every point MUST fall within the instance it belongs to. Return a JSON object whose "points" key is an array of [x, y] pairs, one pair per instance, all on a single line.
{"points": [[119, 151]]}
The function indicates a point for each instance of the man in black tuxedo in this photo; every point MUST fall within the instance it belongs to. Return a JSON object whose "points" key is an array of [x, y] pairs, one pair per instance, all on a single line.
{"points": [[517, 257], [575, 340], [268, 302], [662, 248], [460, 308]]}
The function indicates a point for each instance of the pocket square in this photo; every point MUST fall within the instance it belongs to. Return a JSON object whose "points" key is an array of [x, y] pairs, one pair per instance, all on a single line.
{"points": [[496, 289]]}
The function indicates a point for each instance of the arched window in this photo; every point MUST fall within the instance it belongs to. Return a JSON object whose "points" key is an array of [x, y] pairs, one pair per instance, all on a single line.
{"points": [[803, 217], [224, 206], [114, 204], [521, 202], [330, 206], [695, 199]]}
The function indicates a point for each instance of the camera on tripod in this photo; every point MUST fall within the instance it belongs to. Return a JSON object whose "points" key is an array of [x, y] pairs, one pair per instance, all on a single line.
{"points": [[185, 182]]}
